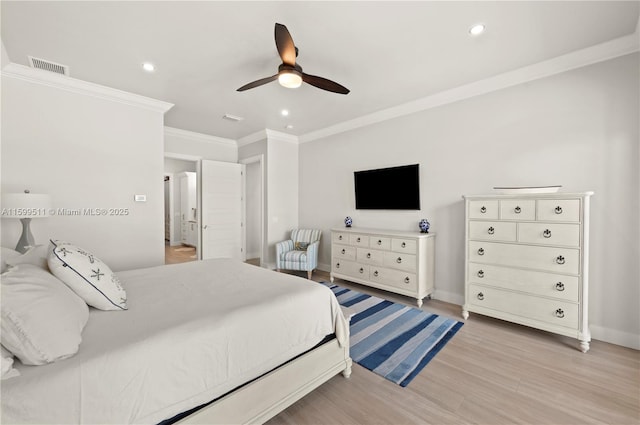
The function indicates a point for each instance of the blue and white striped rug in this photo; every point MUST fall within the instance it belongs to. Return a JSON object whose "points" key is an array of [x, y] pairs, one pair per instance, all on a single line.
{"points": [[390, 339]]}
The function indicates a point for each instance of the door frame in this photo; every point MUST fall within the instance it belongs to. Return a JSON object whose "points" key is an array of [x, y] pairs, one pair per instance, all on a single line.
{"points": [[198, 160], [171, 217], [260, 160]]}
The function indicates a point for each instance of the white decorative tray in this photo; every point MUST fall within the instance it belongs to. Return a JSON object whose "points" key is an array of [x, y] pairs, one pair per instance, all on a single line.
{"points": [[526, 189]]}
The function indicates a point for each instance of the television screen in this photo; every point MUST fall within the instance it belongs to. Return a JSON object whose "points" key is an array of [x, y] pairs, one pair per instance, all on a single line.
{"points": [[396, 188]]}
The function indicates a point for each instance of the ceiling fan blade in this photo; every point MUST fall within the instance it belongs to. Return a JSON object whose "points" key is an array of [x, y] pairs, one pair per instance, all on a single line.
{"points": [[258, 83], [324, 84], [285, 46]]}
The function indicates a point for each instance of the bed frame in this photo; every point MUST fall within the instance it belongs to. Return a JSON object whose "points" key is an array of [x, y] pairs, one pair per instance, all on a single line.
{"points": [[262, 399]]}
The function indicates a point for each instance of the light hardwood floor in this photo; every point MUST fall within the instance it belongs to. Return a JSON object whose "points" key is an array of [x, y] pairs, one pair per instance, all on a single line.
{"points": [[179, 254], [491, 372]]}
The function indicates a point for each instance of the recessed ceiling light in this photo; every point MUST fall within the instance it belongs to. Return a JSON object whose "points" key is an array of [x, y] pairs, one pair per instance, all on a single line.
{"points": [[148, 66], [288, 127], [477, 29], [284, 112]]}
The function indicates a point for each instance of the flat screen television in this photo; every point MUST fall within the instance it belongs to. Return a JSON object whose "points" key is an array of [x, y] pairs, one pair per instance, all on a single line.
{"points": [[395, 188]]}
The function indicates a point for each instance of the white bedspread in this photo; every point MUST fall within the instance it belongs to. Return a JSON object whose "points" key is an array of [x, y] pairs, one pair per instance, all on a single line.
{"points": [[192, 333]]}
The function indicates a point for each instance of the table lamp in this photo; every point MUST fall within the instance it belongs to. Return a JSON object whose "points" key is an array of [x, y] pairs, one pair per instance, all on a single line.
{"points": [[25, 206]]}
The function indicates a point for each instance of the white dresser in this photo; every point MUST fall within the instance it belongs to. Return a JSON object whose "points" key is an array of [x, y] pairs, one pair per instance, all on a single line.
{"points": [[400, 262], [527, 261]]}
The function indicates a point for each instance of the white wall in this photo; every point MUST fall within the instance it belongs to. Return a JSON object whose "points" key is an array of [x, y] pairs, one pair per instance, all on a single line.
{"points": [[280, 156], [578, 129], [86, 152], [282, 171]]}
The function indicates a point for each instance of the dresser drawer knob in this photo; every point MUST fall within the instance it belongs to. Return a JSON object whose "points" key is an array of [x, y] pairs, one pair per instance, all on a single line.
{"points": [[480, 296], [379, 241], [560, 313], [361, 270], [517, 210], [340, 237], [558, 209], [337, 265], [546, 233], [368, 255], [404, 245], [491, 230], [399, 260], [407, 280], [480, 274], [481, 251], [560, 259], [343, 251], [483, 209], [358, 240], [560, 286], [375, 273]]}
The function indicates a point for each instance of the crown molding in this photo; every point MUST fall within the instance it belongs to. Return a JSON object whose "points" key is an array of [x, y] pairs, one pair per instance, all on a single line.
{"points": [[283, 137], [197, 137], [50, 79], [252, 138], [267, 134], [577, 59]]}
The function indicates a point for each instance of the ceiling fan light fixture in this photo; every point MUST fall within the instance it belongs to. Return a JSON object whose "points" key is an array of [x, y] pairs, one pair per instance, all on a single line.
{"points": [[290, 79]]}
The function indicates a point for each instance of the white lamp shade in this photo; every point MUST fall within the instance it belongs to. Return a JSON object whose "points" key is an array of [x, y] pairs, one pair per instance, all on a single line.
{"points": [[25, 205]]}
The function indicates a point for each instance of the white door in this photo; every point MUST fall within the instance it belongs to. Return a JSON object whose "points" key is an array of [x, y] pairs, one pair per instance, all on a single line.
{"points": [[222, 210]]}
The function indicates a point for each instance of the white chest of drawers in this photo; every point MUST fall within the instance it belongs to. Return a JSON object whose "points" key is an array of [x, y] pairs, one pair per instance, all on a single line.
{"points": [[527, 261], [400, 262]]}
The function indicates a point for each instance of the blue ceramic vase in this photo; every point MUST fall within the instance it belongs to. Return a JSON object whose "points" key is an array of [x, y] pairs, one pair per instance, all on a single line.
{"points": [[424, 226], [348, 222]]}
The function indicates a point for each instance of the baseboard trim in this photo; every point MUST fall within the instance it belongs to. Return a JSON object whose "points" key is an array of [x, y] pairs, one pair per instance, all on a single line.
{"points": [[614, 336], [448, 297]]}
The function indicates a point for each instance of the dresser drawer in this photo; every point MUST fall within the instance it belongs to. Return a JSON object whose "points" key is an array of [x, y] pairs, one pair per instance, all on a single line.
{"points": [[555, 312], [492, 231], [394, 278], [518, 209], [359, 240], [408, 246], [343, 252], [350, 268], [483, 209], [537, 283], [549, 234], [559, 210], [370, 256], [342, 238], [379, 242], [556, 260], [396, 260]]}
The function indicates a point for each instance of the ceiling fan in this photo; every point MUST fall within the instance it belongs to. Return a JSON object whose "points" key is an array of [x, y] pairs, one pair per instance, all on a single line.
{"points": [[290, 74]]}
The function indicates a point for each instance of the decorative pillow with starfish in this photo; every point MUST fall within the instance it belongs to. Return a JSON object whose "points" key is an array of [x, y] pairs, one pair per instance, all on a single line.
{"points": [[87, 276]]}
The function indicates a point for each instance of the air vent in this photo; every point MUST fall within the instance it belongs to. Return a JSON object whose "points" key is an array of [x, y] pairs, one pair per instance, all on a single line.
{"points": [[48, 66], [232, 118]]}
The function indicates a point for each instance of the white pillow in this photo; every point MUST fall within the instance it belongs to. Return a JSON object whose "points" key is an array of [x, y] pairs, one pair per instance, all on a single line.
{"points": [[7, 254], [42, 319], [7, 365], [87, 276], [36, 255]]}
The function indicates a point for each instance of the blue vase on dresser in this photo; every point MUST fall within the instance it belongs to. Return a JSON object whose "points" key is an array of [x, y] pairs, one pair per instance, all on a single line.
{"points": [[424, 226]]}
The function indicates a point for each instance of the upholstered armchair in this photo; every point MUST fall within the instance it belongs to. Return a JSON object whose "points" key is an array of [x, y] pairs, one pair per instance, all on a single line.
{"points": [[300, 252]]}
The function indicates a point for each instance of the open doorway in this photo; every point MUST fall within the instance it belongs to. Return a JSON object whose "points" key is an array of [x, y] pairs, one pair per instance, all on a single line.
{"points": [[181, 210], [254, 193]]}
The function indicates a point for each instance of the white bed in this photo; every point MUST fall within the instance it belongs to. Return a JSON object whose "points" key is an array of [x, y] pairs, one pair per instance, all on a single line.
{"points": [[193, 332]]}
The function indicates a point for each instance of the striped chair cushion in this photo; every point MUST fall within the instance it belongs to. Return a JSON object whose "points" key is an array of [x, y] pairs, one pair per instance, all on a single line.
{"points": [[295, 256], [305, 235]]}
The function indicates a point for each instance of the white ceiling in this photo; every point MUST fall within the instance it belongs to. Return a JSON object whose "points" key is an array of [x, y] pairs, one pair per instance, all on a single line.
{"points": [[386, 53]]}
